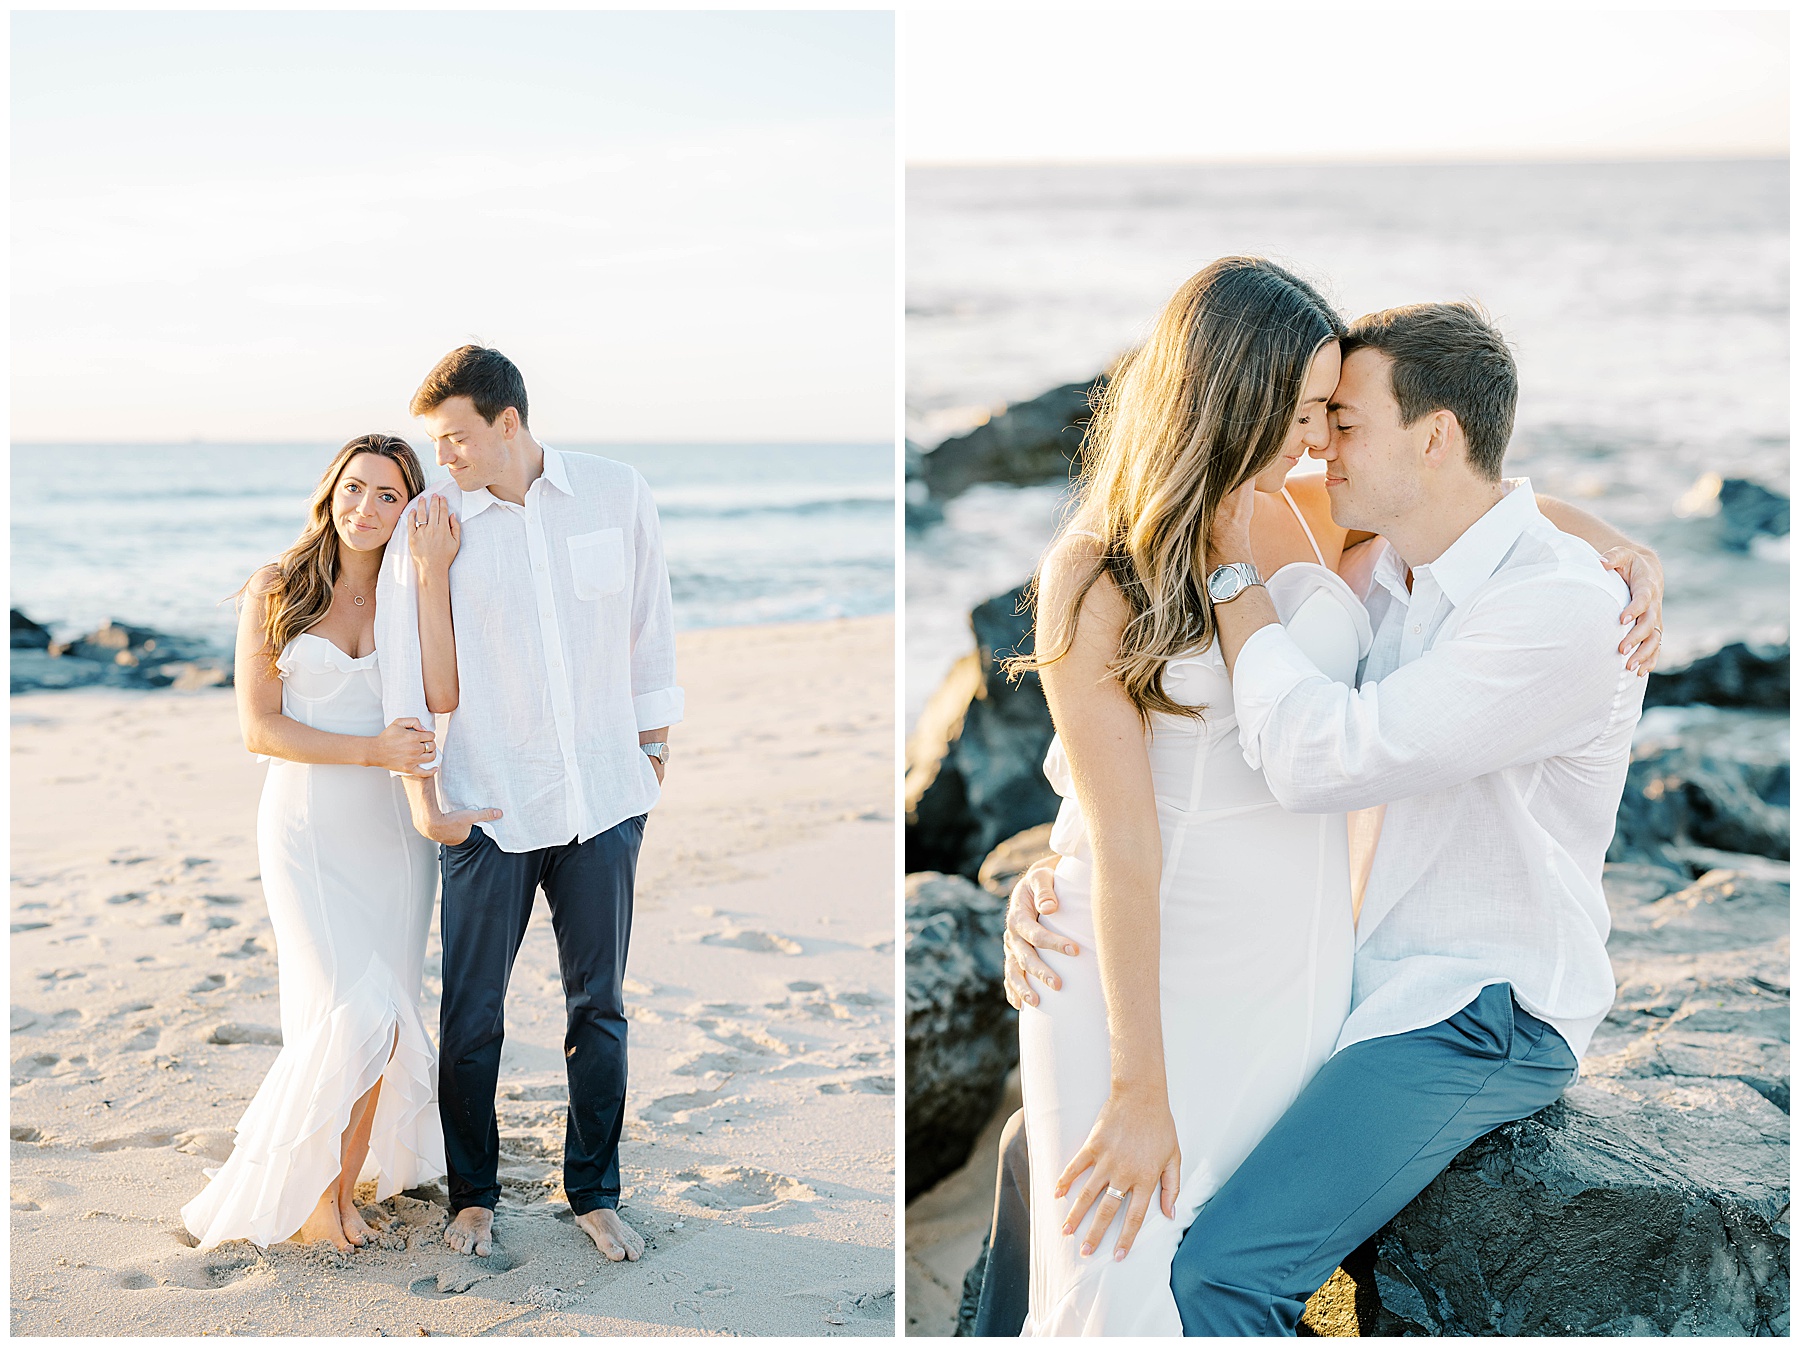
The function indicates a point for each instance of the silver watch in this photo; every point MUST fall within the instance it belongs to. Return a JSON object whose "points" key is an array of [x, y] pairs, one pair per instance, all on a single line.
{"points": [[658, 750], [1225, 583]]}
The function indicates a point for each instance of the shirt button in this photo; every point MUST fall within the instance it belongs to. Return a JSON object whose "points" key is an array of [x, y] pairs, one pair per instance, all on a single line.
{"points": [[1416, 629]]}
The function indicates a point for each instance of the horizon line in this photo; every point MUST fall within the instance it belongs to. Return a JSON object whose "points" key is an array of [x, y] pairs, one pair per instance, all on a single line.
{"points": [[1383, 161]]}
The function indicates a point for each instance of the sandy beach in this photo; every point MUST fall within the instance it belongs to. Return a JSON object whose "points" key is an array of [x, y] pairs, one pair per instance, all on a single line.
{"points": [[759, 1140]]}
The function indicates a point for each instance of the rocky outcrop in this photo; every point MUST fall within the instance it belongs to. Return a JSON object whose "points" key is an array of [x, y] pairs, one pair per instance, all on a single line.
{"points": [[1709, 778], [974, 763], [961, 1036], [1035, 441], [28, 635], [1734, 675], [113, 655], [1652, 1199], [1732, 512]]}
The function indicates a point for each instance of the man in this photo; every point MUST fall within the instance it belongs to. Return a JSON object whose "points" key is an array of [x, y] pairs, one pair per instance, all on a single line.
{"points": [[565, 674], [1494, 719]]}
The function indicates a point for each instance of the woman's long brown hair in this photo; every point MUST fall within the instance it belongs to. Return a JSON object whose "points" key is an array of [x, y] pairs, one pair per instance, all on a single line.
{"points": [[300, 594], [1200, 408]]}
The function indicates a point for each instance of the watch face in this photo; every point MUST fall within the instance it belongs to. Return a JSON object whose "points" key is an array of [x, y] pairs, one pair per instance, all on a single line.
{"points": [[1223, 584]]}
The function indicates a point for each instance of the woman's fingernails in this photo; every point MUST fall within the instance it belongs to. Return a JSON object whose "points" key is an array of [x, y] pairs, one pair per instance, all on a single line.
{"points": [[1086, 1249], [1068, 949], [1119, 1255]]}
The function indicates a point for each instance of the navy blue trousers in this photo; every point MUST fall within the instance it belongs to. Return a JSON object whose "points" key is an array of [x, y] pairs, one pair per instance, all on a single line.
{"points": [[487, 898]]}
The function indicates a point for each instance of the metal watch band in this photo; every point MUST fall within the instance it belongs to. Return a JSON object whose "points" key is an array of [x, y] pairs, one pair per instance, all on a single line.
{"points": [[1225, 583]]}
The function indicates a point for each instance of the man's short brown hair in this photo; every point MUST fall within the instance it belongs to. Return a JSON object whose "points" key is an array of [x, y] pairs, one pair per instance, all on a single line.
{"points": [[1448, 357], [480, 374]]}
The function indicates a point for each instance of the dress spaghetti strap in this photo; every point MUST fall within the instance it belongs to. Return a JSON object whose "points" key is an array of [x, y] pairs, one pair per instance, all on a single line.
{"points": [[1303, 524]]}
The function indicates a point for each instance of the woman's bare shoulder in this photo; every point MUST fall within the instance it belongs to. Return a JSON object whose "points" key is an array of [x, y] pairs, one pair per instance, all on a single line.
{"points": [[265, 582]]}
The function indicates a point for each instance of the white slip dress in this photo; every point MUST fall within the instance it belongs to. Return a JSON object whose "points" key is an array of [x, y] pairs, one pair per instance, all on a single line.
{"points": [[350, 887], [1257, 945]]}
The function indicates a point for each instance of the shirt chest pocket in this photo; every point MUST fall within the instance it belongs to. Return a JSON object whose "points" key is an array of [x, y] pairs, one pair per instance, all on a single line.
{"points": [[597, 561]]}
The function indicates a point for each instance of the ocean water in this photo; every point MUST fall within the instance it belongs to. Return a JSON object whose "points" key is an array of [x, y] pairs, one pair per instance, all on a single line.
{"points": [[161, 536], [1647, 305]]}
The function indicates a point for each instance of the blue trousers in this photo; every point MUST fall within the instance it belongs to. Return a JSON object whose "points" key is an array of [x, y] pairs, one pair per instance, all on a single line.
{"points": [[1379, 1122], [486, 905]]}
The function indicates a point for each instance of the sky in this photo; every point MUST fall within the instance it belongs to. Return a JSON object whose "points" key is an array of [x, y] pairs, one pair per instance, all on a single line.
{"points": [[1312, 86], [270, 225]]}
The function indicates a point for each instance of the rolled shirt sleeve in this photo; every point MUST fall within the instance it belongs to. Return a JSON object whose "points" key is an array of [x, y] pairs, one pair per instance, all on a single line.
{"points": [[397, 633], [1533, 670], [656, 698]]}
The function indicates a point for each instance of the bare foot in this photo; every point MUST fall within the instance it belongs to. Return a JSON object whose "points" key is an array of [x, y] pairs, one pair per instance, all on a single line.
{"points": [[356, 1230], [611, 1235], [471, 1232], [324, 1224]]}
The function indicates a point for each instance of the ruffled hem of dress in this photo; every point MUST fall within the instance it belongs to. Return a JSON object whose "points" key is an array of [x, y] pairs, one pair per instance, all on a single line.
{"points": [[289, 1139]]}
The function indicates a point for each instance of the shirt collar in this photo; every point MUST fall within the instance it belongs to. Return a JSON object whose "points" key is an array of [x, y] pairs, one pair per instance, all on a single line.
{"points": [[556, 473], [1473, 557]]}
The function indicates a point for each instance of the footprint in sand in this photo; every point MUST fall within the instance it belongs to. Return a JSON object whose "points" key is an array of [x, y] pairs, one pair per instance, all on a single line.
{"points": [[210, 983], [142, 1041], [710, 1064], [675, 1107], [861, 1085], [741, 1188], [757, 942], [245, 1033]]}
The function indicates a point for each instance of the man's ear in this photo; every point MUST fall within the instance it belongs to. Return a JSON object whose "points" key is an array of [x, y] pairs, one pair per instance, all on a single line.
{"points": [[1444, 443], [508, 425]]}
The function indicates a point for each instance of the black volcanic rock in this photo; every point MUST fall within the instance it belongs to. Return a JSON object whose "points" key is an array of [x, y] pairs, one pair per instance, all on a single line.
{"points": [[1735, 675], [974, 771], [1029, 442], [28, 635], [961, 1035]]}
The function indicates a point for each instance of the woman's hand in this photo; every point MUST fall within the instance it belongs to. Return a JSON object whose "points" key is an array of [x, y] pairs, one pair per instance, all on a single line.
{"points": [[433, 537], [1642, 572], [1229, 539], [1131, 1149], [402, 747]]}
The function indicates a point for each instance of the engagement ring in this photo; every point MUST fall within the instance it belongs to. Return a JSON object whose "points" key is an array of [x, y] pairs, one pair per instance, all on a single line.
{"points": [[1114, 1193]]}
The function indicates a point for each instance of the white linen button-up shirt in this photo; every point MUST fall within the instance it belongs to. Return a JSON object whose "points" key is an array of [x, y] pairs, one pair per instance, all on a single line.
{"points": [[1493, 716], [565, 649]]}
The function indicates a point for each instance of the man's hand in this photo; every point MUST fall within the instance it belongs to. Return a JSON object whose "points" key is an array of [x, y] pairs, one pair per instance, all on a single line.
{"points": [[1643, 573], [453, 828], [1033, 896]]}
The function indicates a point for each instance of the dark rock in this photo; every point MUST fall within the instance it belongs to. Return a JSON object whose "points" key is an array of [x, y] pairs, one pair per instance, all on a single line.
{"points": [[974, 764], [27, 635], [119, 655], [961, 1036], [921, 511], [1716, 779], [1035, 441], [1652, 1199], [1733, 512], [1736, 675]]}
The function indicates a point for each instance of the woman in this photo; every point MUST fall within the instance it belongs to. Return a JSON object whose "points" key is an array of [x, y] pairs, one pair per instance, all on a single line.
{"points": [[1222, 926], [349, 882]]}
